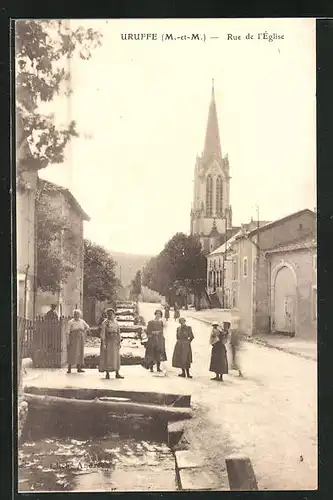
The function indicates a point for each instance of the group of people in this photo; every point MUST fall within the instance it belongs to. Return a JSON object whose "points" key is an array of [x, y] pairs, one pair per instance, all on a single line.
{"points": [[176, 312], [155, 346]]}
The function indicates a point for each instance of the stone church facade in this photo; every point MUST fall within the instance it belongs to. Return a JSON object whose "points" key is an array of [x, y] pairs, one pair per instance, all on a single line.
{"points": [[211, 214]]}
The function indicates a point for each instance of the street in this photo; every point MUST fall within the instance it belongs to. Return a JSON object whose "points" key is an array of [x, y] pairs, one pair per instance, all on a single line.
{"points": [[270, 415]]}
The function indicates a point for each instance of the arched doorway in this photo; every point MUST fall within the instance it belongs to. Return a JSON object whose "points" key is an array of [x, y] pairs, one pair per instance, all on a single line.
{"points": [[285, 301]]}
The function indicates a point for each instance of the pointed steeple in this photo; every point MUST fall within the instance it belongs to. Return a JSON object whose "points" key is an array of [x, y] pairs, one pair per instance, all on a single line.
{"points": [[212, 140]]}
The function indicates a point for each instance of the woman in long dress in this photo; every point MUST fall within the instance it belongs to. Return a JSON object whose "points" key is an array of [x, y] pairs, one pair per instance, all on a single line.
{"points": [[182, 354], [176, 313], [219, 360], [110, 345], [155, 346], [76, 335]]}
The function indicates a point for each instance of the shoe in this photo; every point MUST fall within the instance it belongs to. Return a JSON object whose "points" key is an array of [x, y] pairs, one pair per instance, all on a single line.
{"points": [[69, 371], [80, 370], [119, 376], [181, 375], [189, 376], [151, 370], [215, 378], [159, 370]]}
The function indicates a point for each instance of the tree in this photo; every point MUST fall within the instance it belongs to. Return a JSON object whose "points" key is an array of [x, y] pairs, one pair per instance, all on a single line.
{"points": [[136, 285], [178, 270], [99, 279], [43, 48], [57, 245]]}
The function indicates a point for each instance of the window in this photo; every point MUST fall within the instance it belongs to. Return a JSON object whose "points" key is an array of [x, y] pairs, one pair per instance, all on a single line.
{"points": [[234, 270], [234, 298], [209, 196], [314, 303], [219, 195], [245, 267]]}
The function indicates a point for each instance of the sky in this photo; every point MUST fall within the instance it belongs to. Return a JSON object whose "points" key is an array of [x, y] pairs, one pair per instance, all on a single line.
{"points": [[141, 108]]}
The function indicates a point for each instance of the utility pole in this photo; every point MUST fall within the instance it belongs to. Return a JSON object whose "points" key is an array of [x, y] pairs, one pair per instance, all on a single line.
{"points": [[224, 260]]}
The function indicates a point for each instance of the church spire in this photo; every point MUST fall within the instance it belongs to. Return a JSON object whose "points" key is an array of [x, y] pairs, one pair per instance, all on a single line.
{"points": [[212, 140]]}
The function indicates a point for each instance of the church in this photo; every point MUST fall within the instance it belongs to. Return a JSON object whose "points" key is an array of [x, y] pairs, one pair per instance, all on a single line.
{"points": [[211, 213]]}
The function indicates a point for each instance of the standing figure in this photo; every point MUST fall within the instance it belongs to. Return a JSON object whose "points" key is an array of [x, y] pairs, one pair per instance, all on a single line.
{"points": [[52, 313], [182, 354], [110, 345], [167, 312], [176, 313], [155, 346], [76, 331], [235, 347], [219, 360]]}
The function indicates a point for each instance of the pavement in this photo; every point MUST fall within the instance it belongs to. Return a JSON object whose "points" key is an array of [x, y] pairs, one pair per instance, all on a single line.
{"points": [[269, 415], [306, 348]]}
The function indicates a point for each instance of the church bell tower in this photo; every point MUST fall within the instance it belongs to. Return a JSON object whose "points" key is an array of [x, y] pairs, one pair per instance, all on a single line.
{"points": [[211, 214]]}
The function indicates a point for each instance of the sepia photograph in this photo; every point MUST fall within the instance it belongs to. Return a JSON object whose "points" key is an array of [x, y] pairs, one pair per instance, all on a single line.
{"points": [[166, 255]]}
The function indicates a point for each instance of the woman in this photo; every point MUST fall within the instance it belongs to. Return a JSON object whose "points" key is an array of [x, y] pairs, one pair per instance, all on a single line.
{"points": [[110, 345], [76, 331], [219, 360], [155, 347], [176, 313], [167, 312], [182, 354]]}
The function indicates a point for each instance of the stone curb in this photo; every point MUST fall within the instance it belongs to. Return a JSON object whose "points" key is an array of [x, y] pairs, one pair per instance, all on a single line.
{"points": [[262, 342]]}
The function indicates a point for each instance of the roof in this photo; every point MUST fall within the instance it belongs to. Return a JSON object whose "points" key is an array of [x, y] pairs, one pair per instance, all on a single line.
{"points": [[51, 186], [300, 244], [222, 248], [282, 220], [212, 140]]}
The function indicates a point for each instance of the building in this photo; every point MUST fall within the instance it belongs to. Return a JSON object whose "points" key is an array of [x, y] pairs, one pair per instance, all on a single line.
{"points": [[211, 213], [220, 269], [26, 243], [70, 249], [272, 280]]}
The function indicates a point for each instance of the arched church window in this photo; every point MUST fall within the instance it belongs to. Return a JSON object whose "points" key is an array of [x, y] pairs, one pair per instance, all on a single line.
{"points": [[219, 196], [209, 196]]}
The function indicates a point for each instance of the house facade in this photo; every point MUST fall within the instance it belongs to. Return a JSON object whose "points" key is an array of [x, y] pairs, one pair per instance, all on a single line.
{"points": [[271, 278], [26, 243], [71, 250]]}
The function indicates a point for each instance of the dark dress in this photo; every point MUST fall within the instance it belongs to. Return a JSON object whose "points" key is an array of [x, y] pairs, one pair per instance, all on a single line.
{"points": [[155, 347], [219, 360], [176, 313], [182, 354], [167, 313]]}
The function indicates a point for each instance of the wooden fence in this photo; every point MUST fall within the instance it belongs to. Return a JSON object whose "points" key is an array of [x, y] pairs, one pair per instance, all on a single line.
{"points": [[43, 340]]}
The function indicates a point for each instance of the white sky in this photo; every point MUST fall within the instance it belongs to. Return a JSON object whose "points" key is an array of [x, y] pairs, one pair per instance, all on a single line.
{"points": [[145, 103]]}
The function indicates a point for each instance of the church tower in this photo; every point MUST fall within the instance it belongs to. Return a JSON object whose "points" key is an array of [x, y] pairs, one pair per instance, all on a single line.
{"points": [[211, 214]]}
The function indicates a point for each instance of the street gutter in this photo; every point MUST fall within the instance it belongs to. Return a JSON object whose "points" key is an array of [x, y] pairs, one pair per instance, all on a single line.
{"points": [[262, 342]]}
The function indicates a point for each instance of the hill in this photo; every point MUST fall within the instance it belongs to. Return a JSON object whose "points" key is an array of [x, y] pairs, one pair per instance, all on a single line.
{"points": [[128, 264]]}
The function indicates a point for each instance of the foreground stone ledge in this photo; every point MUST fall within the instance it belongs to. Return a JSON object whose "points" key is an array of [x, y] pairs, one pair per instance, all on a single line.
{"points": [[186, 459], [196, 479], [241, 474]]}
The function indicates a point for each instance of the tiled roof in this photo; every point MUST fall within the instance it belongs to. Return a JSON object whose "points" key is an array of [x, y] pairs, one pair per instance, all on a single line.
{"points": [[50, 186]]}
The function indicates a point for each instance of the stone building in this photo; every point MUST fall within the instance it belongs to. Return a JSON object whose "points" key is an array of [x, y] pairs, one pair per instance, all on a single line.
{"points": [[70, 296], [272, 279], [211, 213]]}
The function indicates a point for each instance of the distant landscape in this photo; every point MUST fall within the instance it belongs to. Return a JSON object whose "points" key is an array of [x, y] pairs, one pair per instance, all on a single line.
{"points": [[128, 264]]}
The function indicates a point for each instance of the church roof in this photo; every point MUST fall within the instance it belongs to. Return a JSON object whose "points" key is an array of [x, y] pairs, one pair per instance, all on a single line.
{"points": [[212, 139]]}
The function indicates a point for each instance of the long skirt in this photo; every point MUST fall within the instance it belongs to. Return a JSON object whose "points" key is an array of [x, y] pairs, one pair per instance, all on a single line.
{"points": [[75, 352], [155, 351], [182, 355], [110, 356], [219, 360]]}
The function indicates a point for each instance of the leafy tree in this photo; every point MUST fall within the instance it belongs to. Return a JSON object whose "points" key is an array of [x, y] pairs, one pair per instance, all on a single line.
{"points": [[57, 245], [178, 270], [99, 278], [136, 288], [43, 48]]}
